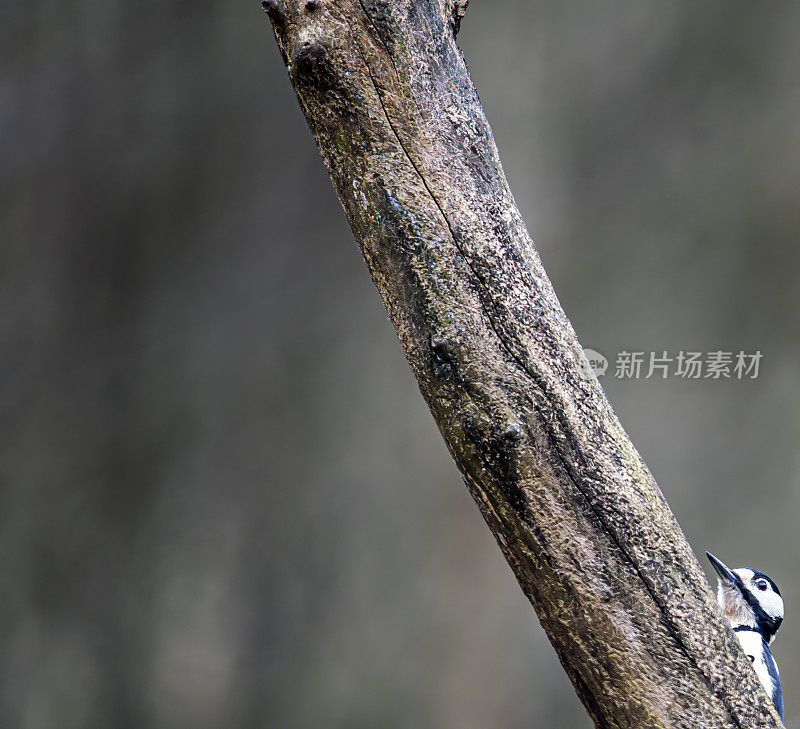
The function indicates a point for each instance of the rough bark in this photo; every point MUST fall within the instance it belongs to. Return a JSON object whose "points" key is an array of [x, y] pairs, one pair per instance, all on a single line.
{"points": [[571, 503]]}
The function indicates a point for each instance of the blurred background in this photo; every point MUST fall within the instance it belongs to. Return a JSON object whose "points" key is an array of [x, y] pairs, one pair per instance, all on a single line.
{"points": [[223, 502]]}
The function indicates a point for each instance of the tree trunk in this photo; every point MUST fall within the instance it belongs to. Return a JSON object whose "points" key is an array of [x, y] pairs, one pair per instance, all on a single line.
{"points": [[571, 503]]}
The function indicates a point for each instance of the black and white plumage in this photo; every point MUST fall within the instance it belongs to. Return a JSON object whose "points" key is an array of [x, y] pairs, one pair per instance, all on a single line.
{"points": [[753, 605]]}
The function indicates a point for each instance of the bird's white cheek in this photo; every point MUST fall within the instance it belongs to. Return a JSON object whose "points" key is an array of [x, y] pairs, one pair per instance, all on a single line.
{"points": [[772, 604]]}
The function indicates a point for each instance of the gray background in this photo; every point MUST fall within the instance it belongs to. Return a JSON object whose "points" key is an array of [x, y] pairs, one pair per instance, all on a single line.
{"points": [[223, 502]]}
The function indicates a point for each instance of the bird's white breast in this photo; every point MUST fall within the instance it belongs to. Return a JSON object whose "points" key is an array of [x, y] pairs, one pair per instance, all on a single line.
{"points": [[754, 649]]}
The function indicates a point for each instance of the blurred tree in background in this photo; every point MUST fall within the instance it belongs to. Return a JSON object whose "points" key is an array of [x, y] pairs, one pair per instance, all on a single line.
{"points": [[223, 501]]}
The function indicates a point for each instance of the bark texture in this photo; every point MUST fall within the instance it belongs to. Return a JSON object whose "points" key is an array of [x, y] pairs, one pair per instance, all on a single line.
{"points": [[571, 503]]}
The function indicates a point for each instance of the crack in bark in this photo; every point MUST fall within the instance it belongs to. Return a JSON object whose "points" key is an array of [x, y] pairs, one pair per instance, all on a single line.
{"points": [[538, 383]]}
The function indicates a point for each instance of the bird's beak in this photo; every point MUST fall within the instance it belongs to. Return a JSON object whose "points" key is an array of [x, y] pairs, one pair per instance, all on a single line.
{"points": [[722, 570]]}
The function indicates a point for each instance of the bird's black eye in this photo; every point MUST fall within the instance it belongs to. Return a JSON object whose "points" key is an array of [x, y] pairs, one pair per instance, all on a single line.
{"points": [[752, 659], [761, 585]]}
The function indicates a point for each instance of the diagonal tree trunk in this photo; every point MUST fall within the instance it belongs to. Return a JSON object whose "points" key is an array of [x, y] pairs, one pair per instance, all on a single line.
{"points": [[572, 505]]}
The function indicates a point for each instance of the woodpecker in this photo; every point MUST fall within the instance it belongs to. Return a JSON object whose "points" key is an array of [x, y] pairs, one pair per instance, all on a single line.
{"points": [[753, 606]]}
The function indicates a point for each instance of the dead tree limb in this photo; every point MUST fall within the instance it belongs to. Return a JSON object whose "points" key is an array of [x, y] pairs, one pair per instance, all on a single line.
{"points": [[571, 503]]}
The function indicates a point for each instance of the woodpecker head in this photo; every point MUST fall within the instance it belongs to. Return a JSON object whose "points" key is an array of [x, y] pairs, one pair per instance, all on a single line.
{"points": [[749, 599]]}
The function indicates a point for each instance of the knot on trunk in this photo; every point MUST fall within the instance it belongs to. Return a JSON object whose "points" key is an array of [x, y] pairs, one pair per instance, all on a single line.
{"points": [[310, 64], [444, 357]]}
